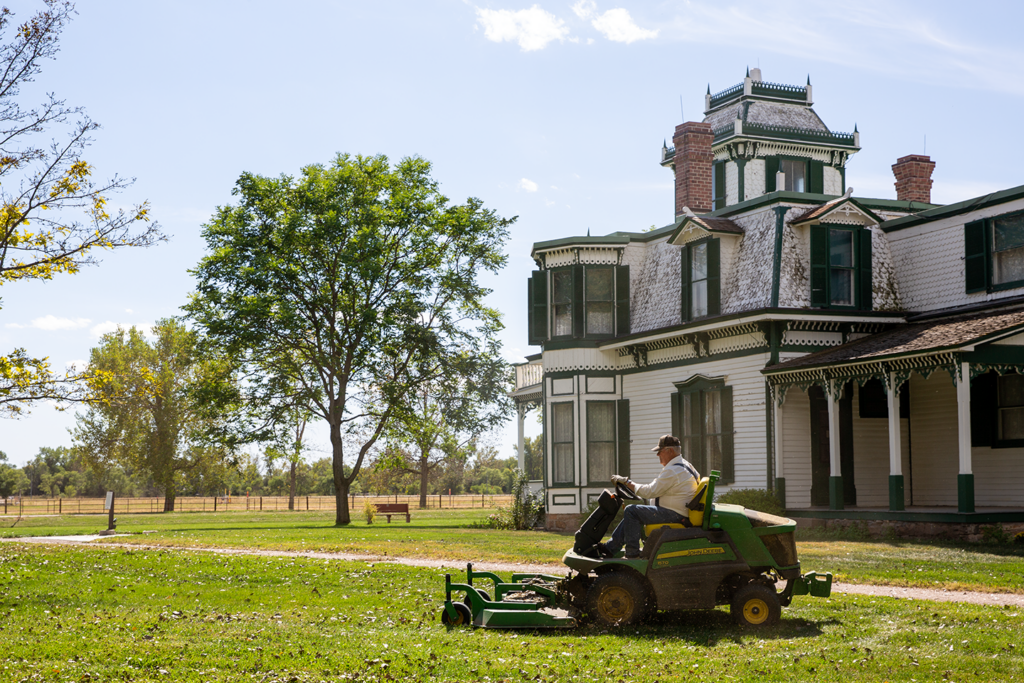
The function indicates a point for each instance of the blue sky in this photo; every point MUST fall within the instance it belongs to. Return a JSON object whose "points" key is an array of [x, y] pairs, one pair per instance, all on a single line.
{"points": [[551, 111]]}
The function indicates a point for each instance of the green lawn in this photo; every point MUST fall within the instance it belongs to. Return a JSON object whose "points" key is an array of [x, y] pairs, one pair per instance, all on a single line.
{"points": [[450, 535], [75, 613]]}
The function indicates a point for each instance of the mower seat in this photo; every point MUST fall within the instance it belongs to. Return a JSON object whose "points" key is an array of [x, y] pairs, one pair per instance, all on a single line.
{"points": [[695, 506]]}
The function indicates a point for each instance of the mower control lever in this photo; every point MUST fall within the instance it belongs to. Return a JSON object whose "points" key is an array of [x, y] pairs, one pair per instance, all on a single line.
{"points": [[624, 491]]}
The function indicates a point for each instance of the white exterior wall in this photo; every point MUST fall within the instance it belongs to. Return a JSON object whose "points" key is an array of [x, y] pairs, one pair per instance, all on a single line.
{"points": [[929, 261], [998, 477], [833, 181], [650, 410], [871, 456], [796, 444], [933, 436], [732, 183]]}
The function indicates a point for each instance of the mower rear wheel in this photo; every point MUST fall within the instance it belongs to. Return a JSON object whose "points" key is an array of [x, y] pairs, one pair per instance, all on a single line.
{"points": [[756, 605], [463, 615], [617, 599]]}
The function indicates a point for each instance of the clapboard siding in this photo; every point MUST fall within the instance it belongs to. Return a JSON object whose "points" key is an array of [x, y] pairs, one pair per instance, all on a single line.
{"points": [[870, 458], [998, 477], [933, 419], [650, 412], [796, 448]]}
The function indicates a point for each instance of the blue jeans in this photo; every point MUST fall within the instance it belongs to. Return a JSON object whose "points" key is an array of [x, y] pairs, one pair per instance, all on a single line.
{"points": [[634, 519]]}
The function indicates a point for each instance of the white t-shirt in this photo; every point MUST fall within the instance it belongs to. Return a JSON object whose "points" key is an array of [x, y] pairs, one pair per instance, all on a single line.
{"points": [[675, 486]]}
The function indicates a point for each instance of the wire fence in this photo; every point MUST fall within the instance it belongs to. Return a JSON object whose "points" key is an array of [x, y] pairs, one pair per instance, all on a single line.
{"points": [[36, 506]]}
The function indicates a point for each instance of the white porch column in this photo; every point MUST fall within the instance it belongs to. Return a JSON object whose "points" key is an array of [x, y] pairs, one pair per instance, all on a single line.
{"points": [[835, 480], [963, 415], [965, 479], [521, 417], [777, 429], [895, 457]]}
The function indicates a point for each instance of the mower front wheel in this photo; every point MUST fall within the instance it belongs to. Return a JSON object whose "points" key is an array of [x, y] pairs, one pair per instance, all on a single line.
{"points": [[463, 615], [617, 599], [756, 605]]}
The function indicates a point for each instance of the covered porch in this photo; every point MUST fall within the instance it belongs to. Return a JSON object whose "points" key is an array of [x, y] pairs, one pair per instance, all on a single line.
{"points": [[528, 394], [922, 423]]}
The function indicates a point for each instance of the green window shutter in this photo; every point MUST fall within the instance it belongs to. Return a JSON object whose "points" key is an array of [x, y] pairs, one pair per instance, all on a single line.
{"points": [[684, 258], [719, 198], [621, 300], [537, 322], [864, 288], [578, 316], [984, 409], [714, 278], [728, 456], [771, 167], [622, 408], [975, 257], [819, 265], [816, 178], [677, 425]]}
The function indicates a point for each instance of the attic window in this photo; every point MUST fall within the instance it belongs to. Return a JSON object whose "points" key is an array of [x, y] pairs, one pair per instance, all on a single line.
{"points": [[1008, 249], [796, 174]]}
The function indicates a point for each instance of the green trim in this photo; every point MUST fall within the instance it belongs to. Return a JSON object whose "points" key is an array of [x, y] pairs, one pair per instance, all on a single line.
{"points": [[686, 327], [965, 492], [568, 374], [564, 343], [769, 429], [780, 223], [780, 490], [896, 492], [966, 206], [741, 173], [835, 493], [911, 516], [857, 203], [992, 354]]}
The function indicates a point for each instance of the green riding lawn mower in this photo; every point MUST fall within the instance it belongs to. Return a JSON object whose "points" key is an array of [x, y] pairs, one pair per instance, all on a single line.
{"points": [[721, 555]]}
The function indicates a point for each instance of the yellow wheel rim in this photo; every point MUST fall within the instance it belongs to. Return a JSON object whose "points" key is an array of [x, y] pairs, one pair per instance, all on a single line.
{"points": [[615, 604], [755, 611]]}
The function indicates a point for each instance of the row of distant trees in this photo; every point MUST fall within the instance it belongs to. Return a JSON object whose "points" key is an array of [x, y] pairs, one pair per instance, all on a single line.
{"points": [[64, 473], [346, 297]]}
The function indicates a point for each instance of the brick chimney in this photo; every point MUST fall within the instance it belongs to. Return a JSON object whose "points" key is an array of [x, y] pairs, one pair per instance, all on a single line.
{"points": [[692, 165], [914, 178]]}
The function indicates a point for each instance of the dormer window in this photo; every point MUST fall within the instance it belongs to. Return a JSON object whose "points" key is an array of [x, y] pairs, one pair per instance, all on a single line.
{"points": [[796, 174], [701, 293], [841, 266], [600, 298], [586, 302], [699, 280]]}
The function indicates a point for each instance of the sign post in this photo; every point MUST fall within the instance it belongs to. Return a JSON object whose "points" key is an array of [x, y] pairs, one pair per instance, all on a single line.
{"points": [[108, 505]]}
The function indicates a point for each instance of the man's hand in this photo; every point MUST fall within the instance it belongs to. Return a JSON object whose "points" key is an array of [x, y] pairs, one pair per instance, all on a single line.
{"points": [[619, 479]]}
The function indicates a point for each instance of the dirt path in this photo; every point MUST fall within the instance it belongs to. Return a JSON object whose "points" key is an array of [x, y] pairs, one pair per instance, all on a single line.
{"points": [[459, 567]]}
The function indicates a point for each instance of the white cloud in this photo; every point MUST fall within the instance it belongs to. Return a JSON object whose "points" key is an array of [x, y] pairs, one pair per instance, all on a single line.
{"points": [[128, 310], [528, 185], [531, 28], [616, 25], [585, 9], [52, 323], [77, 365]]}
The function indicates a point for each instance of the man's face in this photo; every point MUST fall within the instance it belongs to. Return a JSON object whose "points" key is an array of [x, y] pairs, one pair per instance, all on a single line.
{"points": [[665, 455]]}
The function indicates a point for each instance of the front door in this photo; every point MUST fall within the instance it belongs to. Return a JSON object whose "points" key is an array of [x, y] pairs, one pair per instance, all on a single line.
{"points": [[820, 439]]}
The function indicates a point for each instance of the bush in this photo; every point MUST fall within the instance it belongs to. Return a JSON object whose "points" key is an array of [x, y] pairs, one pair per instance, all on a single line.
{"points": [[1019, 538], [995, 534], [761, 500], [526, 510], [369, 511]]}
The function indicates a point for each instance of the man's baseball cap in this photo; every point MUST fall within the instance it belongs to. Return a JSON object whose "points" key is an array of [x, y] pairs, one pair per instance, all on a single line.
{"points": [[667, 441]]}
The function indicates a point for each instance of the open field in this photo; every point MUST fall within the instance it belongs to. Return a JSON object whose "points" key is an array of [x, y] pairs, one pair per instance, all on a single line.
{"points": [[89, 613], [449, 535]]}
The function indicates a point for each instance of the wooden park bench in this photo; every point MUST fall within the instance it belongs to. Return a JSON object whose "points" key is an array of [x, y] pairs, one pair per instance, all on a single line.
{"points": [[388, 509]]}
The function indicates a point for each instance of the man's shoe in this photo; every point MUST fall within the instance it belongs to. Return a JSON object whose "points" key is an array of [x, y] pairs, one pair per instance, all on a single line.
{"points": [[603, 550], [632, 554]]}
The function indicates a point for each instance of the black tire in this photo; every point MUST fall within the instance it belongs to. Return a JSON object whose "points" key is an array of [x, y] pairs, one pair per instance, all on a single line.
{"points": [[756, 605], [467, 603], [617, 599], [464, 615]]}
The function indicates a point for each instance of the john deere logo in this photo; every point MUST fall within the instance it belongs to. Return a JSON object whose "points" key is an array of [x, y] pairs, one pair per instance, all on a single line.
{"points": [[714, 550]]}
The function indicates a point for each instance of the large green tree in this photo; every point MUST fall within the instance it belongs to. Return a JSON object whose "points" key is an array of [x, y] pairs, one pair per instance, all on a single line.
{"points": [[344, 290], [150, 411], [54, 217]]}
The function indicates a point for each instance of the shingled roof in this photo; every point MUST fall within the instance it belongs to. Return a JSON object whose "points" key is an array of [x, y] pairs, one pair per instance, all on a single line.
{"points": [[911, 339]]}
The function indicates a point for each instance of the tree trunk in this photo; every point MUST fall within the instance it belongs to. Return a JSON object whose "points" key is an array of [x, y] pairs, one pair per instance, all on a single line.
{"points": [[341, 515], [291, 489], [169, 496], [424, 477]]}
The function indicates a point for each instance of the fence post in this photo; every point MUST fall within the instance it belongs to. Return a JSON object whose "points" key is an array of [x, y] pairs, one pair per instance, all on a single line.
{"points": [[261, 503], [307, 503]]}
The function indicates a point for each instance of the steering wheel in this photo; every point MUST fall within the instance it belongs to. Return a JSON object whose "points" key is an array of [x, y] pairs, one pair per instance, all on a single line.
{"points": [[624, 491]]}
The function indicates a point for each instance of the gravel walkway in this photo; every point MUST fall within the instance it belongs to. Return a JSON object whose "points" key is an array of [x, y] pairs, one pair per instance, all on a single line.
{"points": [[977, 598]]}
